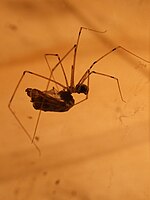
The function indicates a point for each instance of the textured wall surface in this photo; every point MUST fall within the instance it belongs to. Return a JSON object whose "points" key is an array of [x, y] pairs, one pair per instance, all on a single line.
{"points": [[100, 149]]}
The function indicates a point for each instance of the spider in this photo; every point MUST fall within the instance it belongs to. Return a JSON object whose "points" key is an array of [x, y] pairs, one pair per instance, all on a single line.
{"points": [[56, 100]]}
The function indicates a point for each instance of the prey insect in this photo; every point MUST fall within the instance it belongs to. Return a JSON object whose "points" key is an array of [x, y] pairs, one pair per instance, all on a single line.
{"points": [[62, 100]]}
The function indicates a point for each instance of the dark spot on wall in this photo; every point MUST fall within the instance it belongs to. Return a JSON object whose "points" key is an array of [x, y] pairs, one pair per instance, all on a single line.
{"points": [[74, 193], [57, 182], [45, 173], [13, 27]]}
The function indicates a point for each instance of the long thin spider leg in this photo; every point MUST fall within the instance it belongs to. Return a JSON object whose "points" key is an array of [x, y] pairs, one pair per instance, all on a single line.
{"points": [[60, 61], [109, 76], [51, 70], [18, 120], [46, 59], [84, 77], [105, 55], [75, 52], [36, 125], [30, 138], [130, 52], [113, 77], [44, 77], [113, 50]]}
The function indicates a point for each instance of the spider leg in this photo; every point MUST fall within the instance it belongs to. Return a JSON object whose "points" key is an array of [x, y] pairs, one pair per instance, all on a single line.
{"points": [[105, 55], [52, 70], [115, 49], [13, 112], [44, 77], [22, 126], [75, 51], [113, 77], [59, 63], [18, 120], [88, 73]]}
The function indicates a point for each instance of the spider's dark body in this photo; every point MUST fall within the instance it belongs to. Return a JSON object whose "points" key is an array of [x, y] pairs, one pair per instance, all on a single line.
{"points": [[54, 101], [61, 101]]}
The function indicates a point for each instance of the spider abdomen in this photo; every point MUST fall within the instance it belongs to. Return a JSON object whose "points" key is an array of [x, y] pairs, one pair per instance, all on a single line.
{"points": [[46, 102]]}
